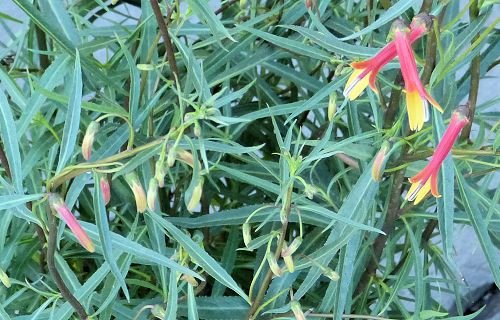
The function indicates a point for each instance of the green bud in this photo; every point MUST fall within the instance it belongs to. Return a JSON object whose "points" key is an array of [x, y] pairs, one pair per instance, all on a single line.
{"points": [[297, 310], [273, 264], [247, 236], [289, 250]]}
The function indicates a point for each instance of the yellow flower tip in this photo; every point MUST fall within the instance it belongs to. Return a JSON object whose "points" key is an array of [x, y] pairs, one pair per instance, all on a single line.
{"points": [[415, 106], [139, 194], [418, 191], [355, 85]]}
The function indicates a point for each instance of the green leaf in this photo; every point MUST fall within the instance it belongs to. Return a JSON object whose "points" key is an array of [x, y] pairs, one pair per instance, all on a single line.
{"points": [[206, 14], [390, 14], [191, 304], [199, 255], [72, 123], [14, 200], [123, 244], [480, 226], [10, 142], [102, 223]]}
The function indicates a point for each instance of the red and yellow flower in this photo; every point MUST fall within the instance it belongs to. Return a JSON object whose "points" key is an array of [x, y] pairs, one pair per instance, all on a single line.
{"points": [[365, 72], [416, 94], [426, 180]]}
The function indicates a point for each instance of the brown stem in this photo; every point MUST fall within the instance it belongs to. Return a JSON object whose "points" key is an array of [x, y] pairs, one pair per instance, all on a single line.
{"points": [[269, 275], [51, 264], [392, 108], [225, 6], [475, 67], [5, 162], [388, 228], [166, 38]]}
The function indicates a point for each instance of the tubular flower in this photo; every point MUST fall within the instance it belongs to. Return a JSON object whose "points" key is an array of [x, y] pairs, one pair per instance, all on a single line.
{"points": [[416, 94], [105, 189], [365, 72], [137, 190], [426, 180], [88, 139], [57, 204]]}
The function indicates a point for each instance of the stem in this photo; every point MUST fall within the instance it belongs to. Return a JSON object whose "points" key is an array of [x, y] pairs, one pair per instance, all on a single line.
{"points": [[267, 279], [55, 273], [225, 6], [166, 38], [388, 228], [475, 67], [392, 108]]}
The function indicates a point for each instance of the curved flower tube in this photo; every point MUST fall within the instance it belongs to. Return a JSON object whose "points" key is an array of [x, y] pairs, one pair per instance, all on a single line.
{"points": [[426, 180], [416, 94], [365, 72]]}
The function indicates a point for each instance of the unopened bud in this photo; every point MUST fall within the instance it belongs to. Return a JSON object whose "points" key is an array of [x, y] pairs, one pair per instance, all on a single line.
{"points": [[297, 310], [160, 173], [190, 279], [197, 129], [57, 204], [243, 4], [186, 157], [380, 161], [331, 274], [289, 263], [105, 189], [195, 196], [158, 312], [289, 250], [247, 236], [171, 157], [273, 264], [137, 190], [332, 106], [309, 190], [309, 4], [4, 278], [88, 139], [152, 194]]}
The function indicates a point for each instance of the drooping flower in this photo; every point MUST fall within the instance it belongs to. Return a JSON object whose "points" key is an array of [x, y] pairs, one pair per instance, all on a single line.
{"points": [[416, 94], [137, 190], [57, 204], [105, 189], [365, 72], [426, 180], [88, 139]]}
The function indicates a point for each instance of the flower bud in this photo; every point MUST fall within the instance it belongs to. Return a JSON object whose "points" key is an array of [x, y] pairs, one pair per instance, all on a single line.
{"points": [[289, 250], [105, 189], [195, 196], [4, 278], [273, 264], [186, 157], [331, 274], [57, 204], [297, 310], [197, 129], [171, 157], [380, 161], [88, 139], [332, 106], [243, 4], [190, 279], [152, 194], [158, 312], [309, 190], [247, 236], [137, 190], [289, 263], [160, 173]]}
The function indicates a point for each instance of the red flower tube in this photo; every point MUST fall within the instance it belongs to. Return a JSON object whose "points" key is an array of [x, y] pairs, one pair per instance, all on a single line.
{"points": [[426, 180], [365, 72], [416, 94], [57, 204]]}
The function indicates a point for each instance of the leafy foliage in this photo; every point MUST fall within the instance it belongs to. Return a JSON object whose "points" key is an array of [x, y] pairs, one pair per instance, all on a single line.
{"points": [[258, 172]]}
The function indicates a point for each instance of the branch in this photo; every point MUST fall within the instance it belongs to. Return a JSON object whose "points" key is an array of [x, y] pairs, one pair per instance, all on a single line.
{"points": [[475, 67], [55, 273], [166, 38]]}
